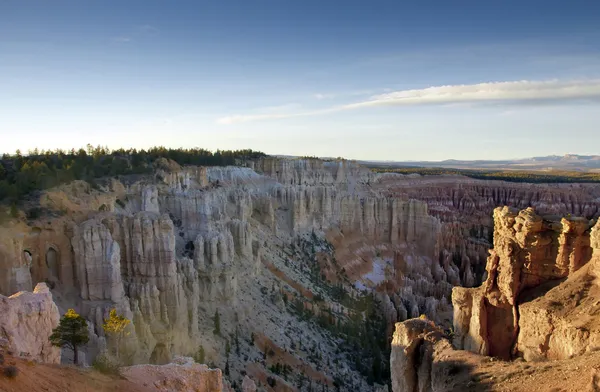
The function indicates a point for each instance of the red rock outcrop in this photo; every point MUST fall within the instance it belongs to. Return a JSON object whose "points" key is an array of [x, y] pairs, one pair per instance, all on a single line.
{"points": [[422, 359], [529, 251]]}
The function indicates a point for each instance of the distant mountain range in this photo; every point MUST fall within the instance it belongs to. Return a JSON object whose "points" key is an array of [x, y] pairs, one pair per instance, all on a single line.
{"points": [[570, 162]]}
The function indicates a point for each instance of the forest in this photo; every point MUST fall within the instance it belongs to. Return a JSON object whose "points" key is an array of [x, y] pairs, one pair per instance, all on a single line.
{"points": [[557, 176], [21, 175]]}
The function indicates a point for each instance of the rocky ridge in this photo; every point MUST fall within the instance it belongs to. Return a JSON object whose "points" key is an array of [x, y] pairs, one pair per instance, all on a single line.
{"points": [[539, 302]]}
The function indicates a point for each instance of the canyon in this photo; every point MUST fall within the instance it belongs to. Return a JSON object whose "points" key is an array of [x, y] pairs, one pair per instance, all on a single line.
{"points": [[292, 255]]}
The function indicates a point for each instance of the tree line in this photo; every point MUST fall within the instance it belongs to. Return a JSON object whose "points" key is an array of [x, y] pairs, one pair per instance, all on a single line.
{"points": [[23, 174]]}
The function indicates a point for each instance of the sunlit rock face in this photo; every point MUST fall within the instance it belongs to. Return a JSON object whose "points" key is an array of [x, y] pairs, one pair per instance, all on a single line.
{"points": [[419, 359], [183, 375], [27, 321], [503, 317]]}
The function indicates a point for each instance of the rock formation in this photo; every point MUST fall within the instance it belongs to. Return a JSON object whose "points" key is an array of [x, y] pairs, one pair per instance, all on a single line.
{"points": [[507, 315], [27, 322], [173, 249], [465, 207], [539, 301], [181, 376], [420, 359]]}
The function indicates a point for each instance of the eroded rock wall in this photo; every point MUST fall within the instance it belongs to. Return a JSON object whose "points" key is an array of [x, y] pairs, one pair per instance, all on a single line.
{"points": [[422, 359], [530, 251], [27, 321]]}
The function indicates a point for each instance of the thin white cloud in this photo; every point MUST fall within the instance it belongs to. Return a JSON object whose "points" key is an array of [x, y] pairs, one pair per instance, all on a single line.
{"points": [[523, 91], [320, 96], [489, 92]]}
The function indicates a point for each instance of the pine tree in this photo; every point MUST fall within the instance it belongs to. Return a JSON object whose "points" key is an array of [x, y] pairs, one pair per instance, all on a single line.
{"points": [[217, 330], [114, 326], [200, 355], [71, 332]]}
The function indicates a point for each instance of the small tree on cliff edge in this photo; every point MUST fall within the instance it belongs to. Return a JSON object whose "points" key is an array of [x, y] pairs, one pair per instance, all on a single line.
{"points": [[71, 332], [115, 326]]}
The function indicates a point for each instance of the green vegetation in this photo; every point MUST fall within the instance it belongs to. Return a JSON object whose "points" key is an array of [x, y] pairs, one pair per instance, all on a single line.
{"points": [[362, 331], [21, 175], [557, 176], [217, 320], [200, 355], [281, 369], [71, 332], [104, 364], [10, 371]]}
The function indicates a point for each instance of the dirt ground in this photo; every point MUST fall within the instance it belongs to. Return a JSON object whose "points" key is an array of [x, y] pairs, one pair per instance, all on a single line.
{"points": [[580, 374], [34, 377]]}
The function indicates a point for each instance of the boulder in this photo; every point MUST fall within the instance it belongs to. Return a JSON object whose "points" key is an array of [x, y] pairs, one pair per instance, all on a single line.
{"points": [[27, 322]]}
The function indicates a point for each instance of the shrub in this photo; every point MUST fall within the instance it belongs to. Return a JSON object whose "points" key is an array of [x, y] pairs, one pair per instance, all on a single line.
{"points": [[34, 213], [200, 355], [104, 364], [10, 371]]}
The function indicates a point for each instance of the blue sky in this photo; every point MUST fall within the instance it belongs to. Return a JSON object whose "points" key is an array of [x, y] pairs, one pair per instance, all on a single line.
{"points": [[393, 80]]}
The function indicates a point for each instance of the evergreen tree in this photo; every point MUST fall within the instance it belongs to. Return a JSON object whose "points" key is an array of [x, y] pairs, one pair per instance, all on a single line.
{"points": [[71, 332], [200, 355], [217, 319]]}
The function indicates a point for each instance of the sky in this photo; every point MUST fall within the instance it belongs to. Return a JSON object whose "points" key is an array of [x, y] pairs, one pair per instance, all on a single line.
{"points": [[374, 80]]}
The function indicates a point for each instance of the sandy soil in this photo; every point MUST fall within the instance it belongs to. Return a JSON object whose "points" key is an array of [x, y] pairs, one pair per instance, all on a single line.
{"points": [[580, 374], [34, 377]]}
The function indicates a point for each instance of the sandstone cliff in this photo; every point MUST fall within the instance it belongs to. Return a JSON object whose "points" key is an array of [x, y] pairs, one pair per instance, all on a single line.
{"points": [[423, 360], [539, 285]]}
